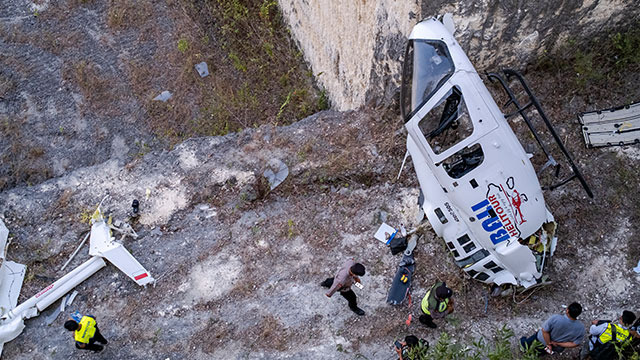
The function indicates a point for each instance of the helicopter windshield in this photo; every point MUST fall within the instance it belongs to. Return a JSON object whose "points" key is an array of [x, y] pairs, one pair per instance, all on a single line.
{"points": [[431, 66]]}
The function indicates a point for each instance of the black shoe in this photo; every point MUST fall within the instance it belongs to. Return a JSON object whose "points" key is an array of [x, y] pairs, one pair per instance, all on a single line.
{"points": [[358, 311]]}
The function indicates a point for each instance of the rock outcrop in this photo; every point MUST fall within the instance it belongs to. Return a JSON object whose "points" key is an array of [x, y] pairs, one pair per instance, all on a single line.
{"points": [[355, 48]]}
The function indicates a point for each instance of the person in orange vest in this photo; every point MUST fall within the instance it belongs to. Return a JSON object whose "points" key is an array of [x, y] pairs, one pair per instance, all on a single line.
{"points": [[86, 333]]}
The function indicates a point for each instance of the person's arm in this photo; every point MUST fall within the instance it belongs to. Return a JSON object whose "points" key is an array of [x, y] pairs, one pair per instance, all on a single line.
{"points": [[399, 350], [356, 279], [547, 338], [336, 285], [566, 344], [450, 306], [597, 330]]}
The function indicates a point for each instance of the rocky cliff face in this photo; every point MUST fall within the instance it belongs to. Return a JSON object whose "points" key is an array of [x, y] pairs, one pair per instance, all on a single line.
{"points": [[357, 46]]}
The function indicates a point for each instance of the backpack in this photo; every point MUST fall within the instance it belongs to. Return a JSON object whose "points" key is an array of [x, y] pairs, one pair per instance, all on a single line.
{"points": [[606, 351], [398, 244]]}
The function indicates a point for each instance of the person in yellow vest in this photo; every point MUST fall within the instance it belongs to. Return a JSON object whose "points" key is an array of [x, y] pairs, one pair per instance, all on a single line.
{"points": [[436, 304], [601, 332], [86, 333]]}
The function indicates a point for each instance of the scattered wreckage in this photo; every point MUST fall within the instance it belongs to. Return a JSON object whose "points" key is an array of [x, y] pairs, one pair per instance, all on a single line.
{"points": [[479, 189], [101, 246], [617, 126]]}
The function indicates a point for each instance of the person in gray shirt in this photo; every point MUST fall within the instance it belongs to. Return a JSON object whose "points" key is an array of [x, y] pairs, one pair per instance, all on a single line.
{"points": [[558, 332]]}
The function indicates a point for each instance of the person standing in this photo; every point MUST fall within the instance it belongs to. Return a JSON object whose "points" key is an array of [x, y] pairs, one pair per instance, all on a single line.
{"points": [[349, 273], [602, 332], [558, 332], [86, 333], [436, 304]]}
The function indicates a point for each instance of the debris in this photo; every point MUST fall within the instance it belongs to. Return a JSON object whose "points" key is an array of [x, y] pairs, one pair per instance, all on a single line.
{"points": [[63, 303], [72, 297], [382, 216], [101, 246], [54, 315], [75, 252], [617, 126], [486, 301], [637, 268], [76, 316], [124, 229], [276, 172], [408, 322], [382, 230], [202, 69], [164, 96]]}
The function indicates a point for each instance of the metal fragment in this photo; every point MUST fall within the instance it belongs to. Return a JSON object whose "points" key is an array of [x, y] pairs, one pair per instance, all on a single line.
{"points": [[617, 126], [202, 69]]}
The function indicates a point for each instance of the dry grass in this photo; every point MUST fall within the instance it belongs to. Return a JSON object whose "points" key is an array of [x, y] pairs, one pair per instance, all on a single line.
{"points": [[6, 86], [23, 161], [99, 90], [248, 85], [122, 14]]}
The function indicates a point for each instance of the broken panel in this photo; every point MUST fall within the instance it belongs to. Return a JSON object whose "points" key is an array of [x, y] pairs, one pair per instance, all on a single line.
{"points": [[619, 126]]}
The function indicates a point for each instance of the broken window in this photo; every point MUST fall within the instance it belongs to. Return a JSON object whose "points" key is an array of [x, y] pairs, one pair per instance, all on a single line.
{"points": [[427, 66], [463, 161], [447, 123]]}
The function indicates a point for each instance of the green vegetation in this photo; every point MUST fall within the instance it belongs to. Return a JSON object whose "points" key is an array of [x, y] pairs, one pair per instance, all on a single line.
{"points": [[290, 228], [597, 63], [257, 74], [497, 348], [183, 45], [269, 83]]}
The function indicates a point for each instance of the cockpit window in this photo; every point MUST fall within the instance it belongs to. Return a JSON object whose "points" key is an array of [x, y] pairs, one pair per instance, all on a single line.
{"points": [[447, 123], [463, 161], [427, 66]]}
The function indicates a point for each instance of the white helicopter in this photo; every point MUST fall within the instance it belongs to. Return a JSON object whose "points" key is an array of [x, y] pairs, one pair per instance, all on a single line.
{"points": [[479, 188], [101, 246]]}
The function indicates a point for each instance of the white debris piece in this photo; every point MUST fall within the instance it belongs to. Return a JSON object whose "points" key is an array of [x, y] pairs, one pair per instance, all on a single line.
{"points": [[617, 126], [202, 69], [383, 230], [11, 275], [54, 315], [276, 172], [72, 297], [164, 96]]}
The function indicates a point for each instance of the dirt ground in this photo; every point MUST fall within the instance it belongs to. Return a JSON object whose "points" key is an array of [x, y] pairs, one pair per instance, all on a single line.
{"points": [[239, 278], [238, 267]]}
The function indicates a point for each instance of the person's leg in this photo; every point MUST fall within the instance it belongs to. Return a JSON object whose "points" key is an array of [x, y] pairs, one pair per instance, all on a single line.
{"points": [[584, 352], [526, 342], [327, 282], [427, 320], [353, 303], [92, 347], [98, 337]]}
